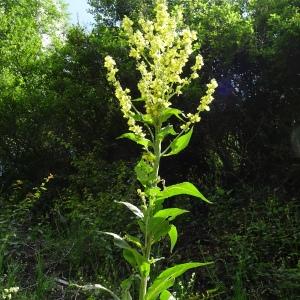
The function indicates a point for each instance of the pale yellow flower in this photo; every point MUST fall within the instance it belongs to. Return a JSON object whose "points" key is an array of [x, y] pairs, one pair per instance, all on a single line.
{"points": [[203, 105], [123, 95], [161, 48]]}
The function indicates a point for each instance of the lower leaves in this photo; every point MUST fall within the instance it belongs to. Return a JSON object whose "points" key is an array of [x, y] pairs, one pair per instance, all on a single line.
{"points": [[138, 254], [148, 119], [167, 278]]}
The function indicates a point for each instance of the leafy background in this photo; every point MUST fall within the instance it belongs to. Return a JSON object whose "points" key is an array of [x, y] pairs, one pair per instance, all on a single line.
{"points": [[58, 115]]}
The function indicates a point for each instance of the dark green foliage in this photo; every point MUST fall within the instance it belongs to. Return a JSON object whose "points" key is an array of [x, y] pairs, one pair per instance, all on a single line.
{"points": [[65, 241], [253, 237]]}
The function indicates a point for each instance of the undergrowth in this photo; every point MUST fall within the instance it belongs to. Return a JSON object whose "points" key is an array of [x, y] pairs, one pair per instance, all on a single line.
{"points": [[251, 235]]}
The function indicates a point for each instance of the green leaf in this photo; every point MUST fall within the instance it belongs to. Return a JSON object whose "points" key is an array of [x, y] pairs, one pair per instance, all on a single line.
{"points": [[131, 136], [173, 236], [137, 260], [143, 118], [126, 286], [169, 112], [136, 241], [180, 269], [180, 143], [144, 172], [133, 208], [130, 258], [126, 295], [126, 283], [167, 278], [147, 118], [170, 213], [166, 295], [159, 225], [166, 131], [184, 188], [118, 240], [158, 228], [158, 286]]}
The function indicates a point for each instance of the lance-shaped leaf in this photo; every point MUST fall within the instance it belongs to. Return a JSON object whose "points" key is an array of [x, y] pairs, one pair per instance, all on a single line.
{"points": [[180, 143], [158, 228], [173, 236], [130, 258], [184, 188], [170, 213], [167, 278], [159, 225], [118, 240], [131, 136], [132, 239], [133, 208], [166, 131], [166, 295], [169, 112], [143, 118], [137, 261]]}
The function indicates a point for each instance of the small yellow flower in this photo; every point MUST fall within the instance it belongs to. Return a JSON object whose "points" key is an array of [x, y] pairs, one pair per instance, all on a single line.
{"points": [[161, 48]]}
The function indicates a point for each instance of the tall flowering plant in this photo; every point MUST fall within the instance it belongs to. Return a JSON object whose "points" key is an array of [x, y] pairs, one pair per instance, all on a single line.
{"points": [[161, 49]]}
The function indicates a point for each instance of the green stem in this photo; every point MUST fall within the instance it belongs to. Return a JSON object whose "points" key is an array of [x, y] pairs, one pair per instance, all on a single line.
{"points": [[157, 153], [148, 212]]}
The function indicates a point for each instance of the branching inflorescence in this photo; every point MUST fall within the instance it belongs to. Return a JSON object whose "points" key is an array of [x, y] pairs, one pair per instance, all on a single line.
{"points": [[161, 49]]}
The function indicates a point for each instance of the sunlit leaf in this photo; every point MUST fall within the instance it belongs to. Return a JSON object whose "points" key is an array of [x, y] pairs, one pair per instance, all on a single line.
{"points": [[168, 130], [133, 208], [137, 260], [130, 258], [180, 143], [158, 228], [173, 236], [170, 213], [166, 279], [169, 112], [166, 295], [118, 240], [131, 136], [159, 225], [184, 188], [136, 241]]}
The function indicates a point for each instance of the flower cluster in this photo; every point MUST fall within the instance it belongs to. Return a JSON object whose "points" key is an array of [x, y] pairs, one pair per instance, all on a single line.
{"points": [[161, 49], [203, 105], [142, 195], [7, 293], [123, 97]]}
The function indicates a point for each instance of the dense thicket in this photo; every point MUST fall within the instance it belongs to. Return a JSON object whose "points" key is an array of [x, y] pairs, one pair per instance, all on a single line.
{"points": [[58, 115]]}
